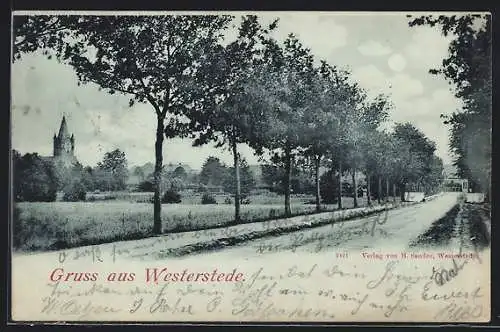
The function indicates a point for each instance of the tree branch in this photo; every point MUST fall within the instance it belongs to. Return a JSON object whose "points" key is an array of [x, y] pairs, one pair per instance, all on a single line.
{"points": [[147, 94], [36, 35], [111, 87], [149, 97]]}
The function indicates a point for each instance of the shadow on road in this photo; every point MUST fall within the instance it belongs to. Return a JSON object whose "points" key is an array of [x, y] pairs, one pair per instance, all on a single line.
{"points": [[466, 222]]}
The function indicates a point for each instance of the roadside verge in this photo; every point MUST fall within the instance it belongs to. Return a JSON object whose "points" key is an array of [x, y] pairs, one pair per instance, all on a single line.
{"points": [[278, 227]]}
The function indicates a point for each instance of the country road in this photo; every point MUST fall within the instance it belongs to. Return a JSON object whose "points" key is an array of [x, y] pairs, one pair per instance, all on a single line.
{"points": [[393, 229]]}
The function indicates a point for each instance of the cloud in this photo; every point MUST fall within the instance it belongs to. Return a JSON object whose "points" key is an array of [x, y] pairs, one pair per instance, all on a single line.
{"points": [[321, 33], [397, 62], [404, 86], [427, 48], [371, 78], [412, 103], [374, 48], [400, 86], [424, 112]]}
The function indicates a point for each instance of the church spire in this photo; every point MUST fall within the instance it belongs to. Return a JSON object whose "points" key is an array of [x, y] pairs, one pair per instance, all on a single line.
{"points": [[63, 130]]}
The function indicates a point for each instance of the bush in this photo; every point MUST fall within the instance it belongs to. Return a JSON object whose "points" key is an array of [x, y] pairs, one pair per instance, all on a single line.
{"points": [[228, 200], [171, 197], [75, 192], [146, 186], [208, 199]]}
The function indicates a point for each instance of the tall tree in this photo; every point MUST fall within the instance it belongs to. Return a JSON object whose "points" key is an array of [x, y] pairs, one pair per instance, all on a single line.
{"points": [[213, 172], [415, 154], [246, 178], [358, 117], [372, 148], [385, 156], [147, 57], [280, 89], [468, 68], [323, 121], [339, 100], [225, 118]]}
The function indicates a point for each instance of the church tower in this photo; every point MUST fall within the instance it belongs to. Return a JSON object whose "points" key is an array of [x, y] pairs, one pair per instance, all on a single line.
{"points": [[64, 144]]}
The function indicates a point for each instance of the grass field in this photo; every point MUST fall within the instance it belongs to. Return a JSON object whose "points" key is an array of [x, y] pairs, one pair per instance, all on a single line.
{"points": [[57, 225]]}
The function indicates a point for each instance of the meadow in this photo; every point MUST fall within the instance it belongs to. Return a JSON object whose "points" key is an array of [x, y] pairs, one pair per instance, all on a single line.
{"points": [[58, 225]]}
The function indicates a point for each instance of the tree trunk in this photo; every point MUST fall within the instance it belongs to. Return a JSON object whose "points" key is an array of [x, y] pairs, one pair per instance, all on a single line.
{"points": [[237, 194], [368, 190], [379, 190], [339, 191], [386, 189], [288, 180], [402, 191], [317, 161], [394, 192], [355, 187], [157, 228]]}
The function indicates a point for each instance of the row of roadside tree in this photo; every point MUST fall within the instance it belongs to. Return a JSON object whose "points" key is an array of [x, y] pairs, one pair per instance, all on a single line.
{"points": [[291, 108]]}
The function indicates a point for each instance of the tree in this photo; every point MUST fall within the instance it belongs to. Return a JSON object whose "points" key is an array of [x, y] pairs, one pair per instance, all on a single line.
{"points": [[180, 173], [434, 178], [328, 187], [273, 177], [372, 146], [42, 32], [139, 173], [114, 169], [213, 172], [335, 136], [281, 91], [146, 57], [225, 118], [247, 180], [358, 118], [34, 179], [88, 179], [415, 154], [385, 154], [468, 69], [323, 120]]}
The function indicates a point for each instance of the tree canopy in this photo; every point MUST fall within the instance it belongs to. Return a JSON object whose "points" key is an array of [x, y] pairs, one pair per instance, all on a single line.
{"points": [[468, 69]]}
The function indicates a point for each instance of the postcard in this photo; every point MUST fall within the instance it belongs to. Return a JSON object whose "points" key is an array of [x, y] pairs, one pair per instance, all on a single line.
{"points": [[250, 167]]}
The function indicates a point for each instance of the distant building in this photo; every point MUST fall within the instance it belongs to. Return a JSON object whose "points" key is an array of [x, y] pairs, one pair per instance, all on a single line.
{"points": [[456, 184], [172, 167], [63, 155]]}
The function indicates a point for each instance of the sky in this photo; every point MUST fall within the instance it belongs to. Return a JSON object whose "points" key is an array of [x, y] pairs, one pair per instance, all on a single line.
{"points": [[382, 52]]}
